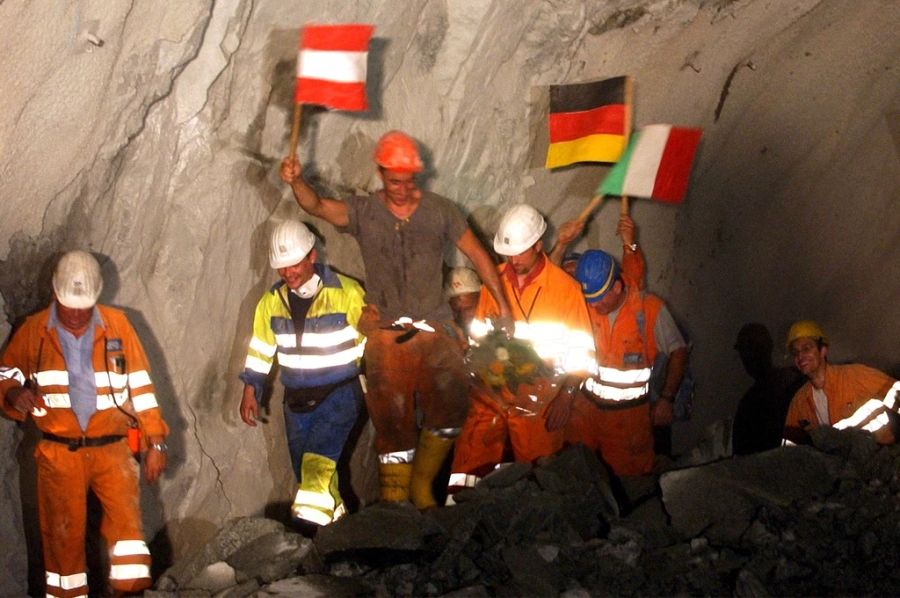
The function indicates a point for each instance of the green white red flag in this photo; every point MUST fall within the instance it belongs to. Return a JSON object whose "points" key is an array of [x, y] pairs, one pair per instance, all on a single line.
{"points": [[331, 66], [657, 164]]}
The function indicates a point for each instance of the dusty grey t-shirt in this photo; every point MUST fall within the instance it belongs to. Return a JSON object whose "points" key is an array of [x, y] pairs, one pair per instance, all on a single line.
{"points": [[404, 258]]}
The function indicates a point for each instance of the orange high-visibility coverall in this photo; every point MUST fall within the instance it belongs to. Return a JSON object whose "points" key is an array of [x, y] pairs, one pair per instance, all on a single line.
{"points": [[551, 296], [847, 387], [64, 476], [620, 429]]}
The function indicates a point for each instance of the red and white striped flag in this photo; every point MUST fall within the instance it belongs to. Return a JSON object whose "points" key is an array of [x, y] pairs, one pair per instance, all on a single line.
{"points": [[657, 164], [331, 66]]}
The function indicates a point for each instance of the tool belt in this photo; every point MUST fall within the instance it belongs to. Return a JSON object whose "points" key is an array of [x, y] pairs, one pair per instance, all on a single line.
{"points": [[77, 443]]}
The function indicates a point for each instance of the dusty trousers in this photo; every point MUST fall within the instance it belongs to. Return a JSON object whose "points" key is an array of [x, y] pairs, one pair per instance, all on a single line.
{"points": [[418, 384], [64, 478]]}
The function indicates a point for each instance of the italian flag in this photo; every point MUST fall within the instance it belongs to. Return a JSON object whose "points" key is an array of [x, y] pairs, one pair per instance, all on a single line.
{"points": [[657, 164], [331, 66]]}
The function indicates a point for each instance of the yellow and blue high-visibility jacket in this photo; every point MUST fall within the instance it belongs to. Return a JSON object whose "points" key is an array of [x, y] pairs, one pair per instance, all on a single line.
{"points": [[330, 346]]}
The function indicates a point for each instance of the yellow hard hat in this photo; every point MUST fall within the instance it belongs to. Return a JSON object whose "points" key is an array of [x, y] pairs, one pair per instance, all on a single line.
{"points": [[805, 329]]}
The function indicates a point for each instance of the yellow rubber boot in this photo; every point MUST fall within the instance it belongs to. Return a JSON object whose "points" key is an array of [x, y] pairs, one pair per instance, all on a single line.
{"points": [[394, 480], [314, 502], [339, 509], [430, 455]]}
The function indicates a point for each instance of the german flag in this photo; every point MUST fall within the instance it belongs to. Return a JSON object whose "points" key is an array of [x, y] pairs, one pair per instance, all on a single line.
{"points": [[587, 122]]}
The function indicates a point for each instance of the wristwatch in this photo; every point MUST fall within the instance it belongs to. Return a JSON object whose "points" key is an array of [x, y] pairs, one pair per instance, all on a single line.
{"points": [[160, 447], [632, 247]]}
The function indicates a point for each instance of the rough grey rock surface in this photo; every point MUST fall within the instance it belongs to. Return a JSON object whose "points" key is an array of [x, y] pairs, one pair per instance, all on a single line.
{"points": [[150, 134]]}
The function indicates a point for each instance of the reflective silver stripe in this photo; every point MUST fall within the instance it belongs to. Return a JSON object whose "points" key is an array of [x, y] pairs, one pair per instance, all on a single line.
{"points": [[319, 339], [57, 400], [144, 401], [8, 373], [262, 348], [129, 571], [52, 378], [311, 514], [117, 380], [66, 582], [139, 378], [465, 480], [891, 398], [314, 499], [130, 547], [255, 364], [339, 512], [318, 362], [448, 433], [613, 393], [398, 457], [865, 411], [877, 423], [631, 377], [105, 402]]}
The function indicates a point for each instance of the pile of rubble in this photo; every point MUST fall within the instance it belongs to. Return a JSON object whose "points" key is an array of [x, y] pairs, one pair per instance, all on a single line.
{"points": [[797, 521]]}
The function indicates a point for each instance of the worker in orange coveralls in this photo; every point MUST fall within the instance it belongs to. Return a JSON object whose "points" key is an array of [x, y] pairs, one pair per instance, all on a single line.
{"points": [[414, 351], [78, 369], [613, 414], [550, 313], [843, 396]]}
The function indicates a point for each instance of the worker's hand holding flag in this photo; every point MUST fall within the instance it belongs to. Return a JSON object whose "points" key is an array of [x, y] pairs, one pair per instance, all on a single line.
{"points": [[331, 66]]}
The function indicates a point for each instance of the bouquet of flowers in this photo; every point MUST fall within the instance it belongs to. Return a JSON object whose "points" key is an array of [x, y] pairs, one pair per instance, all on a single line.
{"points": [[499, 362]]}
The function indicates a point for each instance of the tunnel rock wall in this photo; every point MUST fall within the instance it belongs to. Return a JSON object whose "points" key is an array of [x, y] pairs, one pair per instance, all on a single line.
{"points": [[152, 135]]}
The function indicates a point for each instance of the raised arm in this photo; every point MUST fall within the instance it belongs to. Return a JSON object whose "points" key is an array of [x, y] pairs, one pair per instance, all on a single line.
{"points": [[330, 210], [568, 232], [470, 245]]}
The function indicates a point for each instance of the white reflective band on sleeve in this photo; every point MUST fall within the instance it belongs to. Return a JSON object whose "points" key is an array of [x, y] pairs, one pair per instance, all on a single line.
{"points": [[262, 348], [318, 340], [465, 480], [630, 377], [8, 373], [104, 402], [102, 379], [891, 398], [130, 547], [332, 65], [448, 433], [129, 572], [255, 364], [57, 400], [52, 378], [865, 411], [398, 457], [877, 423], [139, 378], [314, 499], [612, 393], [318, 362], [144, 401], [66, 582]]}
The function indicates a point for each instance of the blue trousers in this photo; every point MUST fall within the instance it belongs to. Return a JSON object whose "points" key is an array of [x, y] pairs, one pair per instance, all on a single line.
{"points": [[323, 430]]}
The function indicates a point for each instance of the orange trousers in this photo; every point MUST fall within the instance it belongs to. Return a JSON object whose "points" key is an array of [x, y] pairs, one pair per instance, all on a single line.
{"points": [[64, 478], [484, 435], [623, 437], [421, 383]]}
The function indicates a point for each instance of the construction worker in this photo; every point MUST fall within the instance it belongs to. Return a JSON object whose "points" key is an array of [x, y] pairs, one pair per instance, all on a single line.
{"points": [[759, 419], [308, 320], [463, 291], [843, 396], [81, 374], [613, 414], [550, 314], [416, 380]]}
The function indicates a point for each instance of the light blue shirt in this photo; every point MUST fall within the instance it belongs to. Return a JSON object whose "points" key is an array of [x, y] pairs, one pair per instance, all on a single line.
{"points": [[78, 353]]}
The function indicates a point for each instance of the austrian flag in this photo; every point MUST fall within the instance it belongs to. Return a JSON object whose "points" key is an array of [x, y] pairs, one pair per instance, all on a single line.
{"points": [[657, 164], [331, 66]]}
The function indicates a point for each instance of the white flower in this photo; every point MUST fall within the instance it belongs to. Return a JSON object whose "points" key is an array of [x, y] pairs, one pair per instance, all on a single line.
{"points": [[501, 354]]}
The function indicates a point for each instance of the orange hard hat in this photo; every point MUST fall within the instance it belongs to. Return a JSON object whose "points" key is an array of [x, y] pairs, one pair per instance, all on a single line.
{"points": [[397, 151]]}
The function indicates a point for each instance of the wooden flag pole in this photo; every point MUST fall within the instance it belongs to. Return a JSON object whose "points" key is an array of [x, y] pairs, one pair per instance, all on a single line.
{"points": [[595, 201], [629, 96], [295, 130]]}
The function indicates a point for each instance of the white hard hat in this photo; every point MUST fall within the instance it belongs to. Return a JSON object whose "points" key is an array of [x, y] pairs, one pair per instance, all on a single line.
{"points": [[519, 229], [77, 281], [462, 281], [291, 242]]}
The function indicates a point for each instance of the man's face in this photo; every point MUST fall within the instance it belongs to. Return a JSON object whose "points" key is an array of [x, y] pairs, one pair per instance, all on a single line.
{"points": [[295, 276], [525, 262], [610, 301], [807, 355], [463, 307], [399, 187], [74, 320]]}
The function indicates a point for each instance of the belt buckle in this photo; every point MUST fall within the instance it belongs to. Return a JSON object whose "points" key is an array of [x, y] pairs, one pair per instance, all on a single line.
{"points": [[76, 443]]}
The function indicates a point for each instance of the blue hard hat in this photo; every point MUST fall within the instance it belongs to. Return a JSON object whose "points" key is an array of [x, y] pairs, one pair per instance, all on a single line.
{"points": [[597, 271]]}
